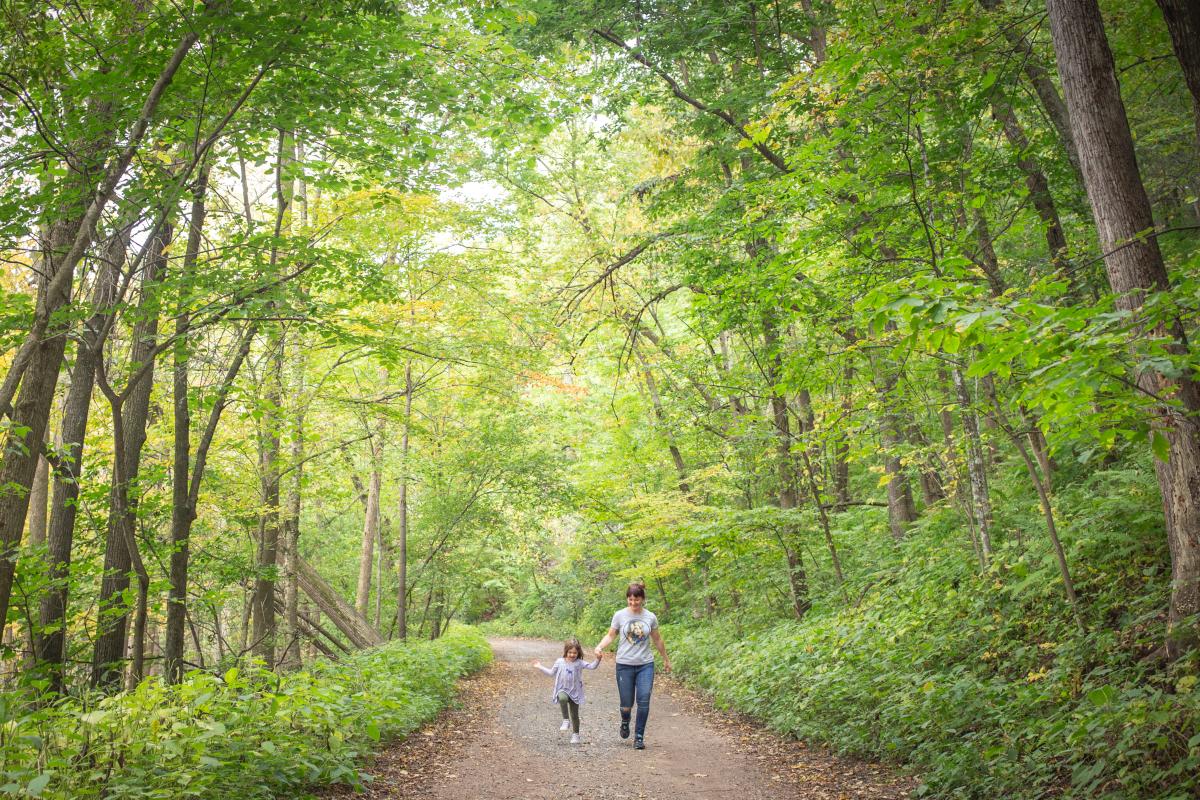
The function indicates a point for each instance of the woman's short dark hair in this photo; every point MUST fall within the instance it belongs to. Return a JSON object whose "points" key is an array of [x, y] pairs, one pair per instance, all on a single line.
{"points": [[636, 589]]}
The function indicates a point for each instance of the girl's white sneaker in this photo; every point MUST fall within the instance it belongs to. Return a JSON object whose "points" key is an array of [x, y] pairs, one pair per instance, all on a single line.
{"points": [[566, 726], [574, 738]]}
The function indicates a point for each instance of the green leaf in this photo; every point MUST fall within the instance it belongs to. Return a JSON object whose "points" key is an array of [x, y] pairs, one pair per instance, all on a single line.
{"points": [[38, 785], [1161, 446]]}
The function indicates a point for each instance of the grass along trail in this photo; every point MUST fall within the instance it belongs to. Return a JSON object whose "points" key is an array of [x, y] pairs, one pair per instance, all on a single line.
{"points": [[502, 742]]}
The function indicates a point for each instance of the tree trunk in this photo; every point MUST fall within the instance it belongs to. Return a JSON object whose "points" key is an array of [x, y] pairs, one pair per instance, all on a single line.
{"points": [[183, 511], [340, 613], [291, 529], [901, 509], [1038, 187], [785, 468], [402, 543], [370, 534], [1183, 23], [1135, 266], [267, 554], [134, 410], [976, 467], [30, 414], [64, 500], [36, 522], [1043, 86], [270, 468]]}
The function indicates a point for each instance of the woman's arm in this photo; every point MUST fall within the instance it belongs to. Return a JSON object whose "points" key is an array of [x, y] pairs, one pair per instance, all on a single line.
{"points": [[606, 641], [656, 637]]}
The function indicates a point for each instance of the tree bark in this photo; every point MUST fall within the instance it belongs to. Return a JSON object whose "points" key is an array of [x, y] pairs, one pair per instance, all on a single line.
{"points": [[976, 466], [785, 469], [265, 631], [1039, 189], [370, 534], [340, 613], [402, 543], [38, 495], [65, 495], [31, 413], [291, 529], [1183, 23], [133, 411], [1135, 266], [183, 510], [1043, 86]]}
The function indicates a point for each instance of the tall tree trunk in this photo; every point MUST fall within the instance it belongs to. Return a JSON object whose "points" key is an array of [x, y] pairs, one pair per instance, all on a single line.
{"points": [[1183, 23], [901, 509], [291, 530], [1039, 188], [976, 466], [270, 468], [402, 543], [1135, 266], [31, 412], [267, 555], [1043, 86], [370, 534], [841, 449], [38, 495], [785, 469], [64, 501], [133, 409], [183, 510]]}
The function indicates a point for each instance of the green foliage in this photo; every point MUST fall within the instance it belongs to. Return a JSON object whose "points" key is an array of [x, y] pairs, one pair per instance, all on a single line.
{"points": [[978, 681], [246, 733]]}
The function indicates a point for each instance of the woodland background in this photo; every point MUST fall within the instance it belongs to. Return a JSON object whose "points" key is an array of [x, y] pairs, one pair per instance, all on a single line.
{"points": [[861, 332]]}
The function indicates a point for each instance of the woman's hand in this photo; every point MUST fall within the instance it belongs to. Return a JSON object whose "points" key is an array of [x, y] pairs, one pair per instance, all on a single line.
{"points": [[599, 651], [666, 664]]}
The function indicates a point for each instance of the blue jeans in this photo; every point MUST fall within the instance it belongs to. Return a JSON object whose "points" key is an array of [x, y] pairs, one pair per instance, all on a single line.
{"points": [[635, 681]]}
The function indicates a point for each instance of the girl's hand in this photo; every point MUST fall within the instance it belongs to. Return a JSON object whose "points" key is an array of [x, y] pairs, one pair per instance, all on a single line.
{"points": [[537, 665], [599, 656], [599, 652]]}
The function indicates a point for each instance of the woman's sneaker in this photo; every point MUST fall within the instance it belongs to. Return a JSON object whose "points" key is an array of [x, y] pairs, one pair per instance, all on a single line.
{"points": [[566, 726], [624, 730], [574, 738], [639, 743]]}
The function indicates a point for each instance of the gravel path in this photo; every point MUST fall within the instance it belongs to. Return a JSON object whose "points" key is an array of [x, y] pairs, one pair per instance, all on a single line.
{"points": [[503, 743]]}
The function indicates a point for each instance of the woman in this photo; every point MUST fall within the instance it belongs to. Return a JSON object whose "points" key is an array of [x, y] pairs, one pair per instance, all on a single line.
{"points": [[635, 628]]}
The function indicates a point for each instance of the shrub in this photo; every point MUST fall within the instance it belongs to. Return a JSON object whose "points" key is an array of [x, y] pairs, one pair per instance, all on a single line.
{"points": [[248, 733]]}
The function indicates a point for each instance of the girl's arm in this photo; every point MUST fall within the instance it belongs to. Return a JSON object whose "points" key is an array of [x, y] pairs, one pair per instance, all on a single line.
{"points": [[592, 664], [547, 670]]}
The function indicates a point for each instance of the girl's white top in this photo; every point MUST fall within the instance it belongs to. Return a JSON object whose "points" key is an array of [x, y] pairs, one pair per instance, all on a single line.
{"points": [[568, 677]]}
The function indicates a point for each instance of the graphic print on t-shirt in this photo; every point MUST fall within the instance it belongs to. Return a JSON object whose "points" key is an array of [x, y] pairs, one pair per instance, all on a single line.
{"points": [[637, 631]]}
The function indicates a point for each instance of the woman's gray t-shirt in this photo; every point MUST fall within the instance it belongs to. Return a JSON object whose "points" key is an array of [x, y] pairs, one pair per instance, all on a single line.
{"points": [[633, 635]]}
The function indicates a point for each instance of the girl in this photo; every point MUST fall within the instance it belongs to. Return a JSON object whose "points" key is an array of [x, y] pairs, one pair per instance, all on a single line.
{"points": [[568, 683]]}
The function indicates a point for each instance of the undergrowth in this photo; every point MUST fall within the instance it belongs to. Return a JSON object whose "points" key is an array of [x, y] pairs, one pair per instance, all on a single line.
{"points": [[248, 733], [982, 681]]}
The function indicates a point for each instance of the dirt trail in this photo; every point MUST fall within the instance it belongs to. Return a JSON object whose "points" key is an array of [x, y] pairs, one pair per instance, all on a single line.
{"points": [[503, 743]]}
